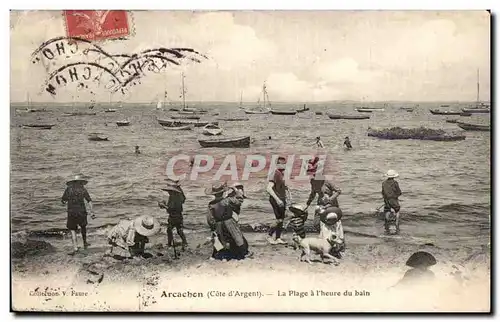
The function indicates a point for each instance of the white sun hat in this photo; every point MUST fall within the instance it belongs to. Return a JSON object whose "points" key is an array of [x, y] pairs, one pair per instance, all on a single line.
{"points": [[392, 174]]}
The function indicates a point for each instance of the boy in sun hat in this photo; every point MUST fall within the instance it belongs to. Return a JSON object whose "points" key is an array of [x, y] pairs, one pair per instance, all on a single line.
{"points": [[391, 193], [129, 237], [174, 208], [75, 196]]}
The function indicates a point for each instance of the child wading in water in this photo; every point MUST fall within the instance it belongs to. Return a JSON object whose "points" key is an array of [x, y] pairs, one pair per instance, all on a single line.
{"points": [[278, 191], [75, 196], [174, 209], [391, 193]]}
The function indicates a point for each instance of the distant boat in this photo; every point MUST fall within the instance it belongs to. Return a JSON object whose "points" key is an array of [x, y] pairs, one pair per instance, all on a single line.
{"points": [[184, 117], [79, 114], [318, 113], [123, 123], [445, 105], [348, 117], [212, 129], [370, 109], [39, 126], [179, 128], [437, 112], [465, 114], [233, 119], [264, 108], [110, 110], [304, 109], [361, 110], [97, 137], [408, 109], [451, 121], [480, 106], [473, 127], [174, 123], [276, 112], [236, 142]]}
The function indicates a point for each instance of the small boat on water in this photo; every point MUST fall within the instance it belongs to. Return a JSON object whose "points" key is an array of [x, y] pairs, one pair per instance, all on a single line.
{"points": [[110, 110], [236, 142], [451, 121], [348, 117], [370, 109], [39, 126], [97, 137], [233, 119], [465, 114], [175, 123], [476, 110], [36, 110], [185, 117], [276, 112], [179, 128], [123, 123], [212, 129], [404, 108], [318, 113], [445, 105], [438, 112], [260, 109], [473, 127], [79, 114]]}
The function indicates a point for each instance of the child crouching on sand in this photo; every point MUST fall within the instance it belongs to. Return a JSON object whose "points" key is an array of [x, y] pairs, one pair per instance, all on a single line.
{"points": [[298, 219], [129, 237]]}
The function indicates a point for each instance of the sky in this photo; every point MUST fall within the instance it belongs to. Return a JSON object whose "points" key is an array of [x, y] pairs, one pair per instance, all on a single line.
{"points": [[302, 56]]}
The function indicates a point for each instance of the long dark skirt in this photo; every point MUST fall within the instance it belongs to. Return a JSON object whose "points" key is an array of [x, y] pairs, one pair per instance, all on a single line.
{"points": [[234, 248]]}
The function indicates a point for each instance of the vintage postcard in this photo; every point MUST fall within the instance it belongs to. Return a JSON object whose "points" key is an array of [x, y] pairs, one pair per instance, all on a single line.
{"points": [[250, 161]]}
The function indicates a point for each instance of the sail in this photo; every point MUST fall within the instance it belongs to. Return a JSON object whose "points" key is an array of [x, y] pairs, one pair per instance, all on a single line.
{"points": [[159, 105]]}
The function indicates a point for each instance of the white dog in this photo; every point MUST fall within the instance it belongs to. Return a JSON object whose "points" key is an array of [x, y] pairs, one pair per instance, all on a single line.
{"points": [[320, 246]]}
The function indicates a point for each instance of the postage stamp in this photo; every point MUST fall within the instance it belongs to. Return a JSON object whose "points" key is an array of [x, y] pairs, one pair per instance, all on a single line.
{"points": [[97, 24]]}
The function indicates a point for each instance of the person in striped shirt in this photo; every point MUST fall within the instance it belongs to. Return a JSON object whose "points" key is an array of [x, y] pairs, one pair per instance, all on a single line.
{"points": [[298, 219]]}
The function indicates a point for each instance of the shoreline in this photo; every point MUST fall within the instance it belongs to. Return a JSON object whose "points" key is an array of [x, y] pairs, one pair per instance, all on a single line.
{"points": [[272, 280]]}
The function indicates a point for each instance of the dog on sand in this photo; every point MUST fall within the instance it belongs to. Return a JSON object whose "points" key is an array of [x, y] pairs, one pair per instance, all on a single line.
{"points": [[320, 246]]}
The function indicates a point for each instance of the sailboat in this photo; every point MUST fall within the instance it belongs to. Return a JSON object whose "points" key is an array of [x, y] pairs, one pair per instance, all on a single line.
{"points": [[261, 109], [110, 110], [185, 109], [480, 106], [241, 101], [29, 109]]}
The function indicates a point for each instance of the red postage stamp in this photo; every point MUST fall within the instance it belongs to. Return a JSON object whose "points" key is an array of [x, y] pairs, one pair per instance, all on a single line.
{"points": [[97, 24]]}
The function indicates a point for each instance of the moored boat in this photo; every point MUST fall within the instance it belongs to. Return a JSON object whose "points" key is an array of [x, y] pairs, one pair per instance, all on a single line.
{"points": [[348, 117], [123, 123], [233, 119], [184, 117], [473, 127], [260, 109], [476, 110], [39, 126], [179, 128], [370, 109], [79, 114], [304, 109], [235, 142], [174, 123], [110, 110], [318, 113], [97, 137], [465, 114], [276, 112], [212, 129], [438, 112], [451, 121]]}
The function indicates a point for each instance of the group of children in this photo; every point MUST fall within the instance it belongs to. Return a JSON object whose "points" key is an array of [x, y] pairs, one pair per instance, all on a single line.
{"points": [[128, 237]]}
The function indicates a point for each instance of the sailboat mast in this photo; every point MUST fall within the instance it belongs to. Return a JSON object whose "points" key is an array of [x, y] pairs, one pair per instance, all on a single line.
{"points": [[264, 93], [477, 95], [183, 93], [241, 99]]}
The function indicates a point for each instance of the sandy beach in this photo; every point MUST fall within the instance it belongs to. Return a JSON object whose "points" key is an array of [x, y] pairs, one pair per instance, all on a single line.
{"points": [[272, 280]]}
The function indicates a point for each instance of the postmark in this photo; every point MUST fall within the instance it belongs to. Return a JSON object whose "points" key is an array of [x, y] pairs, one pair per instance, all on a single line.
{"points": [[97, 25]]}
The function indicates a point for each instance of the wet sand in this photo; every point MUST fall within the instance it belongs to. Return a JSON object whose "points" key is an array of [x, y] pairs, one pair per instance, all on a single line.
{"points": [[272, 280]]}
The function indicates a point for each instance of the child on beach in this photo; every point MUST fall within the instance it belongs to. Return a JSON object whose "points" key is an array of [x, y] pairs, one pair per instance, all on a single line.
{"points": [[129, 237], [391, 193], [75, 196], [174, 209], [298, 219]]}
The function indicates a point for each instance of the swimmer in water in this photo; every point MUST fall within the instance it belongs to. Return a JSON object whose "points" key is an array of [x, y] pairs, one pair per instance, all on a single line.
{"points": [[319, 144], [137, 151]]}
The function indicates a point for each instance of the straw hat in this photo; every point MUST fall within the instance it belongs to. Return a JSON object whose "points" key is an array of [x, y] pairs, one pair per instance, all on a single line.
{"points": [[239, 186], [392, 174], [146, 225], [216, 189], [172, 185], [77, 178]]}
